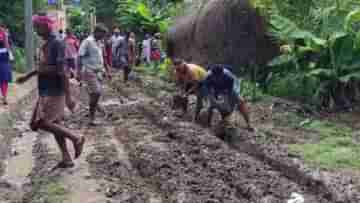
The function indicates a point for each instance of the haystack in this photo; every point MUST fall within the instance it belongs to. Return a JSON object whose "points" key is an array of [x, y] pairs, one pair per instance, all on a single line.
{"points": [[222, 31]]}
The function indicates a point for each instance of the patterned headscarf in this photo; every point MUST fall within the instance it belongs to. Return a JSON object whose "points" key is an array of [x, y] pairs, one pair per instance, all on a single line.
{"points": [[43, 20]]}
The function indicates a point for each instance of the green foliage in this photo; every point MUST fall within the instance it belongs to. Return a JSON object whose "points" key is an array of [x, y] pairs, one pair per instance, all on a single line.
{"points": [[49, 192], [12, 13], [162, 70], [316, 64], [335, 149], [251, 91], [332, 152], [146, 16], [79, 21], [105, 9], [19, 55]]}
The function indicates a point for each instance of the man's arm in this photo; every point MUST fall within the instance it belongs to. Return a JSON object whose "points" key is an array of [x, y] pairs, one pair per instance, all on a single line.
{"points": [[82, 55], [192, 81], [60, 66], [26, 77], [230, 82]]}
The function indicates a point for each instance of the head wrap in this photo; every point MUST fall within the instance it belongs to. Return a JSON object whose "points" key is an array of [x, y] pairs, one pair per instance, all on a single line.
{"points": [[43, 20], [216, 68], [2, 35]]}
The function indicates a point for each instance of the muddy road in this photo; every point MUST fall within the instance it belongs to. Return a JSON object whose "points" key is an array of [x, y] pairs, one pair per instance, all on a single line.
{"points": [[143, 151]]}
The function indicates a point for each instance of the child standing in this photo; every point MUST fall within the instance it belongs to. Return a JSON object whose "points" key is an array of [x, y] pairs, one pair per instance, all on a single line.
{"points": [[5, 70]]}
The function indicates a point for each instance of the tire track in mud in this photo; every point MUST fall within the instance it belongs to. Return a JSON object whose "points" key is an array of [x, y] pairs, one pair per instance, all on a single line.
{"points": [[329, 188], [243, 176], [251, 179], [164, 165], [110, 163]]}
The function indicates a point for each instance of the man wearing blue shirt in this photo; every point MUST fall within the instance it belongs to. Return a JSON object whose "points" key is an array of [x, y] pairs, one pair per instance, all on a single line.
{"points": [[221, 82]]}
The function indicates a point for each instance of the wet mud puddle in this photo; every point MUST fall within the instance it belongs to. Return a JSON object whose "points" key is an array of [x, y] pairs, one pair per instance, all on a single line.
{"points": [[20, 163]]}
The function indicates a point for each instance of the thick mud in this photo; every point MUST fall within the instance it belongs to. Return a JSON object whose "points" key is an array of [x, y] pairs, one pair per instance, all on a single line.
{"points": [[143, 151]]}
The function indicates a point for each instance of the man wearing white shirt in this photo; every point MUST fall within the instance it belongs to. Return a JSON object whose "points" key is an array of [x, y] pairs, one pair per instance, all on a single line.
{"points": [[92, 66], [115, 40], [146, 49]]}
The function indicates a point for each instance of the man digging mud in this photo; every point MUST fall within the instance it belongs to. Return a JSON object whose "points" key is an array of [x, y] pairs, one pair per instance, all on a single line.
{"points": [[221, 82], [53, 85], [189, 77], [92, 68]]}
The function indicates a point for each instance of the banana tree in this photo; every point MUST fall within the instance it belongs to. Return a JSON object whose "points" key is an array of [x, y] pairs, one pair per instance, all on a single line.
{"points": [[139, 16], [335, 65], [339, 66]]}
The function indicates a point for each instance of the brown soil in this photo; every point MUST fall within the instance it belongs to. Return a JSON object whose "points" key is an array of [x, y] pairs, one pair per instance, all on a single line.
{"points": [[143, 151]]}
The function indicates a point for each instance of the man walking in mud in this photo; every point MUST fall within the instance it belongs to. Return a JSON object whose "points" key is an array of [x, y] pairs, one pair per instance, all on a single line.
{"points": [[92, 68], [53, 84]]}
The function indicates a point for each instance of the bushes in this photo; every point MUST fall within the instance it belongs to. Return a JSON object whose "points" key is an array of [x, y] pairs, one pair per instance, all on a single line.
{"points": [[20, 65], [320, 49], [79, 21], [146, 16]]}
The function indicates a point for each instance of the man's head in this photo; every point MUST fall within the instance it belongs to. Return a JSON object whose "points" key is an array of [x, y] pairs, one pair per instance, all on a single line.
{"points": [[218, 72], [180, 66], [61, 31], [132, 35], [43, 25], [217, 69], [116, 31], [100, 31], [68, 32]]}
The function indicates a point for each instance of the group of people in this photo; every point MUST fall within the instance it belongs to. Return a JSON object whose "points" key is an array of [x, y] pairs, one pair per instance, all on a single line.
{"points": [[151, 49], [215, 83], [90, 62]]}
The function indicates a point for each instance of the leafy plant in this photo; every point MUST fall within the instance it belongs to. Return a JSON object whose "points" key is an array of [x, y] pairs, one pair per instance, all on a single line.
{"points": [[143, 16], [332, 61], [79, 22], [20, 65]]}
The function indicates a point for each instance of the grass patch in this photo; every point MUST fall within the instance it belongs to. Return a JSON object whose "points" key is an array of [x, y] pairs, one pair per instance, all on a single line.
{"points": [[288, 119], [335, 149], [49, 192], [328, 129], [251, 91], [331, 153]]}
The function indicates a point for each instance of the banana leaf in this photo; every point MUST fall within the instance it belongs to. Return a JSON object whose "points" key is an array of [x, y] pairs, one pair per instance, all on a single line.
{"points": [[352, 18], [281, 60], [322, 73], [348, 77]]}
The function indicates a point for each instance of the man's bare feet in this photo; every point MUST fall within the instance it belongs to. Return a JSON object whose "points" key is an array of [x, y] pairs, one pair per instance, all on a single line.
{"points": [[5, 101], [250, 128], [63, 164], [79, 146]]}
